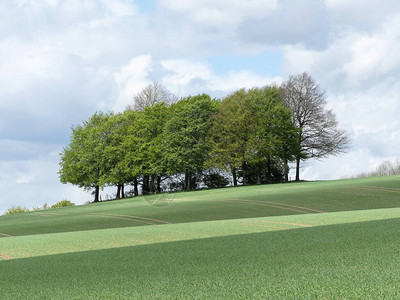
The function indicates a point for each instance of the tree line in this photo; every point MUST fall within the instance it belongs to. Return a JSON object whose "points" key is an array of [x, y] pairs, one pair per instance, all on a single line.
{"points": [[386, 168], [252, 134]]}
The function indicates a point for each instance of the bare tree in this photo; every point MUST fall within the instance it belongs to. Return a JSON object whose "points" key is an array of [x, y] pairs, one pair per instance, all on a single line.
{"points": [[150, 95], [387, 168], [318, 132]]}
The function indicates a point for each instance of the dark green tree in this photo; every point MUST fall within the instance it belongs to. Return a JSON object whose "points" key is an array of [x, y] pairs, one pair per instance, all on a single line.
{"points": [[252, 129], [147, 135], [185, 139]]}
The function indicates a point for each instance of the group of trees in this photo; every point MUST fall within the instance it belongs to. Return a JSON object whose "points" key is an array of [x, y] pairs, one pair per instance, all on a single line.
{"points": [[387, 168], [253, 134]]}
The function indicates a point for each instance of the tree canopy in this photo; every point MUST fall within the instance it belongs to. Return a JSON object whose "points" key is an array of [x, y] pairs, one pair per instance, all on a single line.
{"points": [[251, 133]]}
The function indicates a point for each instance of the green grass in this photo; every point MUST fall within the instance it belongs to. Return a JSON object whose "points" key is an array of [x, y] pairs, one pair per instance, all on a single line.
{"points": [[216, 249], [219, 204]]}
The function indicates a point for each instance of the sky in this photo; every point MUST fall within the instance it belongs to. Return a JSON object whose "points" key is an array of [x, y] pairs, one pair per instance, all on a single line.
{"points": [[62, 61]]}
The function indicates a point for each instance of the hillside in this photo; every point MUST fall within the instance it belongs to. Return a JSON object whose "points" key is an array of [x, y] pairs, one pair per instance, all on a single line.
{"points": [[335, 239]]}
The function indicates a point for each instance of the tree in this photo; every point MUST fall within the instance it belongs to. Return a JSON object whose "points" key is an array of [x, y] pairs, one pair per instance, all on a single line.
{"points": [[252, 129], [147, 135], [274, 137], [318, 133], [116, 128], [82, 161], [129, 166], [215, 180], [185, 144], [229, 134], [150, 95]]}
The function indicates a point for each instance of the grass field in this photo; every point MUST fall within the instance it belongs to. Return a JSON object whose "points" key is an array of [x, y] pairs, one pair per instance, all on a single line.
{"points": [[315, 240]]}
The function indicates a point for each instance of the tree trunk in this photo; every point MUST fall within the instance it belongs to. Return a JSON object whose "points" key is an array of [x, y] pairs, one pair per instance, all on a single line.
{"points": [[298, 168], [234, 176], [186, 186], [118, 191], [122, 190], [158, 184], [96, 193], [286, 169], [258, 174], [145, 185], [152, 179], [135, 187], [269, 169], [244, 171]]}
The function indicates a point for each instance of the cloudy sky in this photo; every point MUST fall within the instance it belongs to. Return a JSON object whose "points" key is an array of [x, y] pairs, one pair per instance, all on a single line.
{"points": [[61, 61]]}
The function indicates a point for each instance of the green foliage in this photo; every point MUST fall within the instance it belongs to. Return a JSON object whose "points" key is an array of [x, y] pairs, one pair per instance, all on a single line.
{"points": [[215, 180], [16, 210], [62, 203], [252, 127], [148, 134], [83, 162], [248, 131], [185, 144]]}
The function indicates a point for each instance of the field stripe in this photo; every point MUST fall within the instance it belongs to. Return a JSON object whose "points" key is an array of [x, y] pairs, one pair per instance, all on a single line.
{"points": [[284, 204], [301, 207], [47, 214], [268, 226], [137, 217], [5, 234], [265, 204], [288, 223], [6, 257], [380, 188], [120, 218]]}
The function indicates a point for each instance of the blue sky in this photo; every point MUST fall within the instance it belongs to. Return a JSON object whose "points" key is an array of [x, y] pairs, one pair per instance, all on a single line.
{"points": [[267, 63], [61, 61]]}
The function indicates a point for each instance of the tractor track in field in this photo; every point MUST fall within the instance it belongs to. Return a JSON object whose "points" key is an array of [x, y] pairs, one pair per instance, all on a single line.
{"points": [[46, 214], [295, 208], [5, 234], [5, 257], [138, 219], [287, 223], [379, 188]]}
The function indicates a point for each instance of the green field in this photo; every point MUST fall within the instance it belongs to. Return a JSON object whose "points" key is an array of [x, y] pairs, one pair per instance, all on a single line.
{"points": [[310, 240]]}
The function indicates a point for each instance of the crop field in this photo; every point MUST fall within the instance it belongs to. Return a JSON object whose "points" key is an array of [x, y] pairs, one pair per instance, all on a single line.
{"points": [[309, 240]]}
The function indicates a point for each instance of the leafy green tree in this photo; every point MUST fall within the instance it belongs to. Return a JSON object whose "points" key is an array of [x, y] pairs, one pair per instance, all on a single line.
{"points": [[230, 134], [147, 135], [118, 148], [215, 180], [82, 161], [275, 136], [252, 128], [185, 139]]}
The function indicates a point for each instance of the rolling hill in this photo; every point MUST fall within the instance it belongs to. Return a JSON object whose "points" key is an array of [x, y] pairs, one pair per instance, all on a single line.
{"points": [[333, 239]]}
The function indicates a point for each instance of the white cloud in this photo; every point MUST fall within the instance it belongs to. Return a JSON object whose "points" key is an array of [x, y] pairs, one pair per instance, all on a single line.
{"points": [[223, 14], [131, 79], [183, 71], [348, 165], [359, 71], [60, 61], [35, 182], [187, 77]]}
